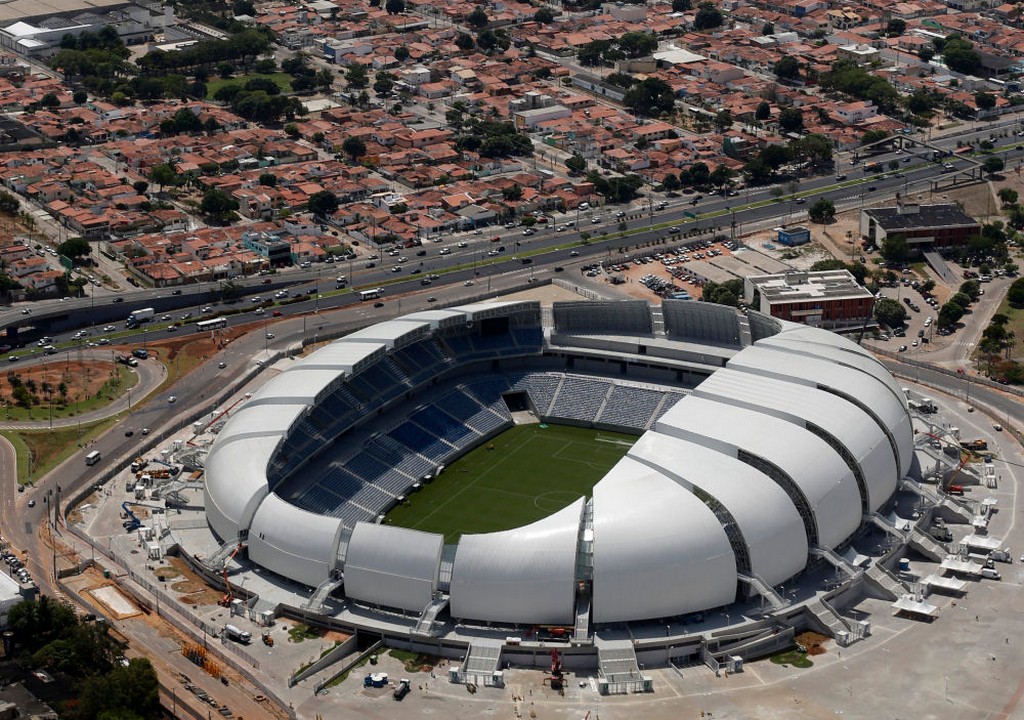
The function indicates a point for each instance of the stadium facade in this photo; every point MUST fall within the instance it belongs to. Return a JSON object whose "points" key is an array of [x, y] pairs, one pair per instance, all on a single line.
{"points": [[762, 444]]}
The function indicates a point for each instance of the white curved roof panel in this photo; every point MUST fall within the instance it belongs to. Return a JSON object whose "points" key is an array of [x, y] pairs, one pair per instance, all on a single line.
{"points": [[293, 542], [339, 356], [859, 387], [294, 386], [658, 550], [392, 566], [236, 482], [817, 470], [846, 422], [389, 331], [262, 420], [766, 517], [525, 575]]}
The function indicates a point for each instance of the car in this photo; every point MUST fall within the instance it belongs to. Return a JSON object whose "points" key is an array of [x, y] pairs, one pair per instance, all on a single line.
{"points": [[574, 253], [278, 313], [144, 431], [478, 231], [186, 316], [462, 244], [801, 201], [165, 318], [370, 265], [206, 309], [444, 251], [129, 432], [527, 232], [840, 177], [492, 253], [903, 348], [119, 300], [172, 328], [871, 188], [175, 292], [270, 336], [109, 328], [431, 299], [416, 271], [25, 311], [102, 341], [257, 299], [468, 283], [914, 344], [259, 311], [378, 304], [12, 358], [31, 503], [172, 399], [281, 294], [559, 268], [396, 268]]}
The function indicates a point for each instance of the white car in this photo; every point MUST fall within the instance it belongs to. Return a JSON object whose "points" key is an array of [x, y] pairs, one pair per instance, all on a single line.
{"points": [[463, 244], [109, 328], [445, 251], [260, 311], [270, 336], [172, 398], [468, 283]]}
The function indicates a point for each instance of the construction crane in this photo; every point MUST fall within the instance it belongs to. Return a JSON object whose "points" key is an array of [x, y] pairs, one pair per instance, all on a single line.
{"points": [[228, 596], [132, 522], [556, 680]]}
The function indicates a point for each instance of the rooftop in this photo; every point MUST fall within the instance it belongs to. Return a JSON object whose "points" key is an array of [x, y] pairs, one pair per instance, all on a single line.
{"points": [[791, 286], [911, 217]]}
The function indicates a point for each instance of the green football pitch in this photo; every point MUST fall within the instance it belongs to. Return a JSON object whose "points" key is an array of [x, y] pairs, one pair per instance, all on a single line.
{"points": [[522, 475]]}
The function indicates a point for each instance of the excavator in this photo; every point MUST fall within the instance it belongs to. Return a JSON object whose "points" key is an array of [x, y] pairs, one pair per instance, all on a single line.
{"points": [[225, 601]]}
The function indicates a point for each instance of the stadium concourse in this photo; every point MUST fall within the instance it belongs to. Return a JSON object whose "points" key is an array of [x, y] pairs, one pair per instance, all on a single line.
{"points": [[764, 449]]}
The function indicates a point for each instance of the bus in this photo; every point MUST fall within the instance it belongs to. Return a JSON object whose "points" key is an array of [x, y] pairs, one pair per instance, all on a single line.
{"points": [[211, 324], [371, 294], [92, 458]]}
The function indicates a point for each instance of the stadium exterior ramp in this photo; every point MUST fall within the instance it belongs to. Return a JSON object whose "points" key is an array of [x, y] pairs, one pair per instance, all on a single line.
{"points": [[778, 454]]}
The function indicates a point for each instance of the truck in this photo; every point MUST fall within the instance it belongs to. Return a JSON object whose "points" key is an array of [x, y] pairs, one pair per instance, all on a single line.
{"points": [[141, 353], [136, 317], [237, 634], [975, 445], [402, 689]]}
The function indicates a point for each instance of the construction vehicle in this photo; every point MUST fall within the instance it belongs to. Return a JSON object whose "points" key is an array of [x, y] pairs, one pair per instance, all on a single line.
{"points": [[237, 634], [975, 445], [401, 690], [225, 601], [132, 521], [268, 640], [556, 680]]}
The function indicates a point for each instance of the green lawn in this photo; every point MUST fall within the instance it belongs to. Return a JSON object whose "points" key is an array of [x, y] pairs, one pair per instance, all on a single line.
{"points": [[524, 474], [283, 80]]}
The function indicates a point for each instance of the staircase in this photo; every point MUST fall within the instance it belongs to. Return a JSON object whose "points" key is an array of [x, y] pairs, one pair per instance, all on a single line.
{"points": [[958, 507], [425, 624], [220, 558], [762, 588], [885, 581], [323, 591], [836, 560], [926, 545], [827, 617], [884, 524], [480, 664], [581, 631], [619, 668]]}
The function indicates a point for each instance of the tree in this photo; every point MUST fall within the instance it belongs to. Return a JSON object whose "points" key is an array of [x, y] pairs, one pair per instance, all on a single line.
{"points": [[544, 16], [894, 249], [576, 165], [727, 293], [768, 29], [478, 18], [708, 17], [763, 112], [1008, 196], [401, 53], [163, 174], [395, 7], [323, 204], [985, 101], [791, 120], [926, 53], [464, 42], [9, 204], [1015, 294], [218, 205], [823, 211], [140, 186], [356, 75], [993, 164], [650, 97], [872, 136], [268, 179], [890, 313], [896, 27], [354, 146], [681, 5], [960, 56], [384, 83], [787, 68], [971, 289], [637, 44], [950, 314], [125, 693], [80, 97], [723, 120], [75, 248], [512, 193]]}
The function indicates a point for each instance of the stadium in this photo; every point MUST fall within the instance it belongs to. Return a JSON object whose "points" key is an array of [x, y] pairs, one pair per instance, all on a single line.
{"points": [[764, 448]]}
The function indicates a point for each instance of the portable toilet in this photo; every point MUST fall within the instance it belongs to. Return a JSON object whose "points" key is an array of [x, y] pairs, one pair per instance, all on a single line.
{"points": [[153, 550]]}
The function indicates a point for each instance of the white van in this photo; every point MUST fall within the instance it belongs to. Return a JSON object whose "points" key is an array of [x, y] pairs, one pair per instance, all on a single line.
{"points": [[92, 458], [991, 573]]}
